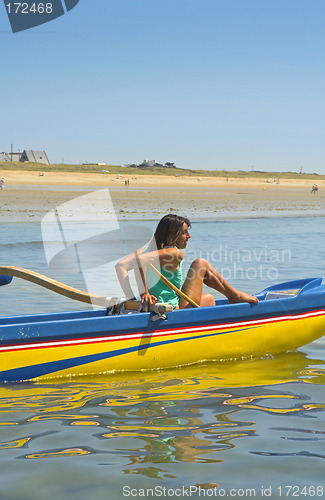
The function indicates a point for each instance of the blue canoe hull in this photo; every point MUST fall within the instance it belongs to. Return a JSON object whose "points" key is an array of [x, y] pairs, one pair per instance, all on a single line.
{"points": [[33, 347]]}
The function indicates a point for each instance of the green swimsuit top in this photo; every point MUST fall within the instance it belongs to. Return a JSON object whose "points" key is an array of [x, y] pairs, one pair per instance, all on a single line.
{"points": [[161, 291]]}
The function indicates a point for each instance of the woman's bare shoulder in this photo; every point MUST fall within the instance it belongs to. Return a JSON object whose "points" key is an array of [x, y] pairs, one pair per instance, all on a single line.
{"points": [[170, 257]]}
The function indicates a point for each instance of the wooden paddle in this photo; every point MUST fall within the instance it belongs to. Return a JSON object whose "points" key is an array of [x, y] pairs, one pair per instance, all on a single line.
{"points": [[170, 285]]}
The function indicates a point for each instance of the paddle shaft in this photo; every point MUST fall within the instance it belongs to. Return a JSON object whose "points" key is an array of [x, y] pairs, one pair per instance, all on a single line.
{"points": [[173, 287]]}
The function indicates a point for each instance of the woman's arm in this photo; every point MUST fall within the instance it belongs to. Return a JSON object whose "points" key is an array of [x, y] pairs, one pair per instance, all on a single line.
{"points": [[169, 258], [123, 267], [140, 275], [122, 270]]}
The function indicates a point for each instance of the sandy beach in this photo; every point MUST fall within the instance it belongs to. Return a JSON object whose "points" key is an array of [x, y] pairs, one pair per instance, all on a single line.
{"points": [[27, 196]]}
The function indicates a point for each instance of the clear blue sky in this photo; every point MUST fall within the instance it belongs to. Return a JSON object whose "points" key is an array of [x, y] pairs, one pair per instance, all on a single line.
{"points": [[211, 84]]}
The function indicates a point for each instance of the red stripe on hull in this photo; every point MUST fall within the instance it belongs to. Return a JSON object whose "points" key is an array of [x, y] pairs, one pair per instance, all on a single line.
{"points": [[161, 333]]}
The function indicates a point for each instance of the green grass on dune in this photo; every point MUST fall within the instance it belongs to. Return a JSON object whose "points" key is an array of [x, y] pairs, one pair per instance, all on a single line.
{"points": [[132, 171]]}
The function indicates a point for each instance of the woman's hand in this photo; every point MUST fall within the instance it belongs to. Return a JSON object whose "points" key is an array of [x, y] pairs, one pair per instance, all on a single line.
{"points": [[147, 300]]}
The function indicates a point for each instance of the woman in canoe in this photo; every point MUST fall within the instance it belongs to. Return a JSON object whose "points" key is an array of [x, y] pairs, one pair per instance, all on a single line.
{"points": [[165, 251]]}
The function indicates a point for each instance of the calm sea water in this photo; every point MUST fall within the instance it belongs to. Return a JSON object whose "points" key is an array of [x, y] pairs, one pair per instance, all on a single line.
{"points": [[254, 428]]}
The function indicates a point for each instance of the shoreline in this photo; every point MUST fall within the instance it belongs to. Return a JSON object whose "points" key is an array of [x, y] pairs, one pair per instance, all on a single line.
{"points": [[58, 178], [27, 196]]}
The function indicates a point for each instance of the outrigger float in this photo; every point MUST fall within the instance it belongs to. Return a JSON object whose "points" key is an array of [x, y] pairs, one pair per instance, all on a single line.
{"points": [[64, 344]]}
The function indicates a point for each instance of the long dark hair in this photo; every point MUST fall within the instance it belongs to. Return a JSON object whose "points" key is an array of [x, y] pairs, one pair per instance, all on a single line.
{"points": [[168, 230]]}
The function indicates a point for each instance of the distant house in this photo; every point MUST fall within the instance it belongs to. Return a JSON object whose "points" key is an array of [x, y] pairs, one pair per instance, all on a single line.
{"points": [[149, 163], [28, 155], [93, 163], [10, 156], [34, 157]]}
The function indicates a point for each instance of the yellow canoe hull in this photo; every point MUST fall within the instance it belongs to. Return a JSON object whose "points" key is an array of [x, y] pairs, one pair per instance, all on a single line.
{"points": [[162, 348]]}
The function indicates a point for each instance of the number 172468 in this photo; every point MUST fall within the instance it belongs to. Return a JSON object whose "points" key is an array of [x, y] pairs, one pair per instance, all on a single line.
{"points": [[300, 491], [25, 8]]}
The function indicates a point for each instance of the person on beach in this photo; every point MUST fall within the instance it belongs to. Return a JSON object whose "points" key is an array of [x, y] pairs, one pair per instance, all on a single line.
{"points": [[2, 184], [165, 252]]}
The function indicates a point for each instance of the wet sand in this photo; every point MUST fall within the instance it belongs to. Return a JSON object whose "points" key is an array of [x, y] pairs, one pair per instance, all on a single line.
{"points": [[28, 196]]}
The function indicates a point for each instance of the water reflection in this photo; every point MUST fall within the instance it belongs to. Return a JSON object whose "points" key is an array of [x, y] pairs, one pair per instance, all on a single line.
{"points": [[190, 415], [60, 453]]}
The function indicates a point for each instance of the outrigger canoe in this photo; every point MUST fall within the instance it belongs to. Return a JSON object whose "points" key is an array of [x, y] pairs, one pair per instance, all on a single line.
{"points": [[64, 344]]}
